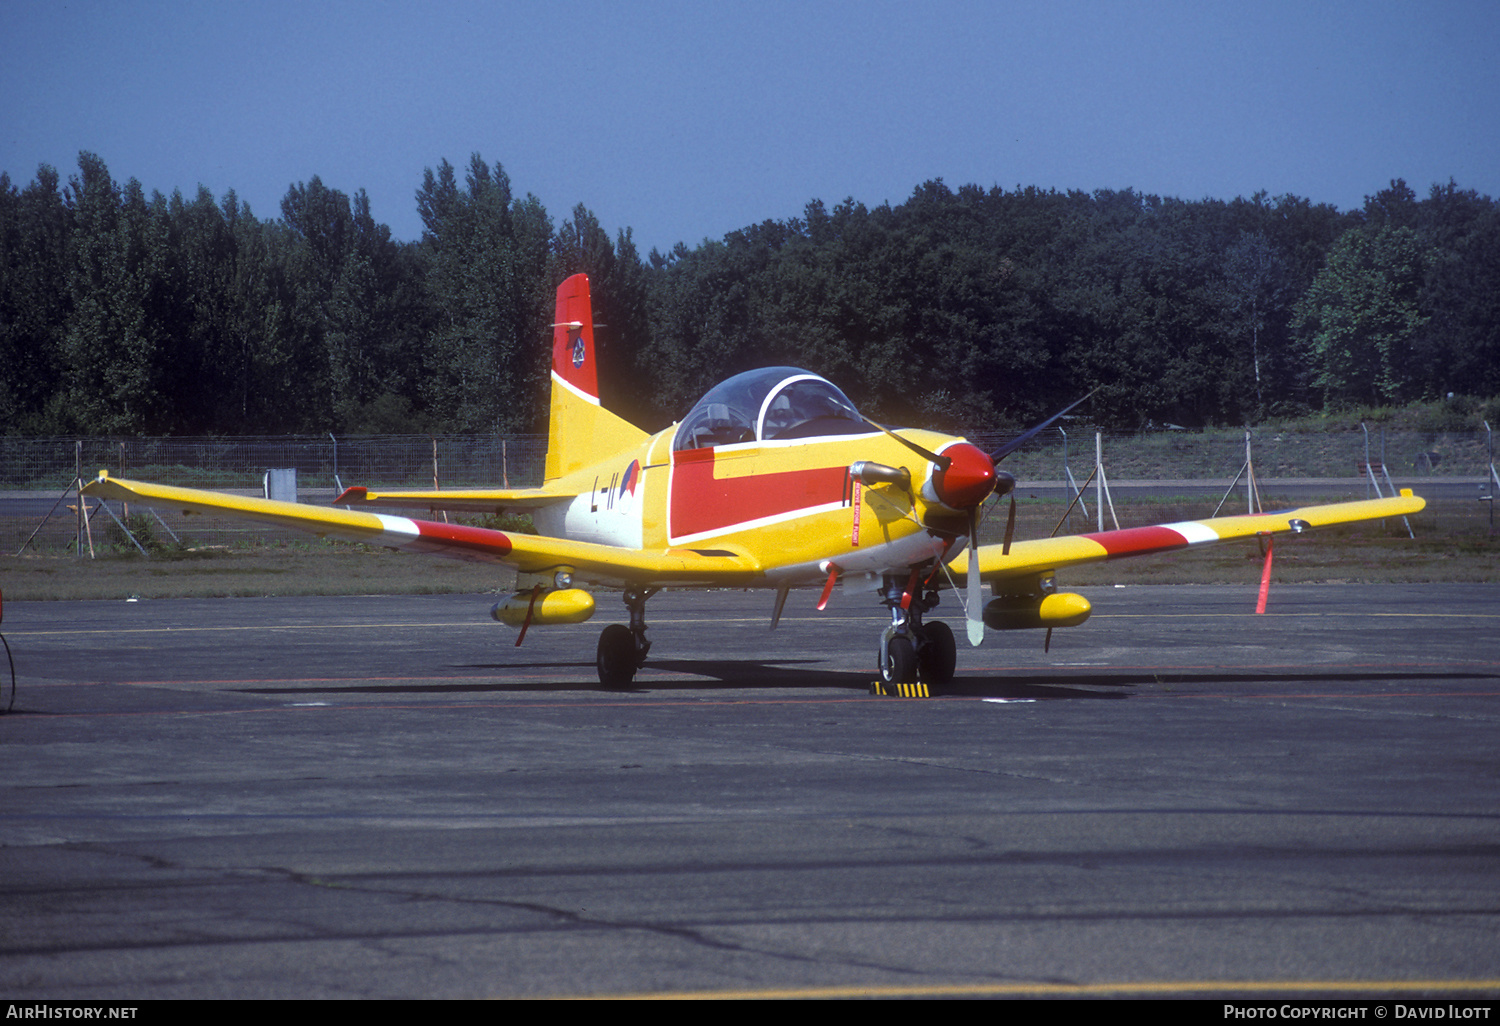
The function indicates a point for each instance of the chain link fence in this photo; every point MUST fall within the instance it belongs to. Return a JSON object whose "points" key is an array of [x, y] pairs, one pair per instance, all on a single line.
{"points": [[37, 478], [37, 474], [389, 461]]}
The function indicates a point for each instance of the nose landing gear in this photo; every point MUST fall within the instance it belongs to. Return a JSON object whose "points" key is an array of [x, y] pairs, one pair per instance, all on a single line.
{"points": [[911, 650]]}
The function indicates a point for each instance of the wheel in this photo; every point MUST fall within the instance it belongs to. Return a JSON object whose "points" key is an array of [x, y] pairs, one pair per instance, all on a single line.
{"points": [[900, 664], [616, 659], [938, 656]]}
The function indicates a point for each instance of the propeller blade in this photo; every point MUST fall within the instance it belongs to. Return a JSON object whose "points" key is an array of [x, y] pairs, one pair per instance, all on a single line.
{"points": [[942, 462], [1021, 439], [975, 614], [1010, 526]]}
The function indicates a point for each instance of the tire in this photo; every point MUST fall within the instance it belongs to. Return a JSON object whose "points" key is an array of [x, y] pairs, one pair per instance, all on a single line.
{"points": [[900, 665], [616, 658], [938, 656]]}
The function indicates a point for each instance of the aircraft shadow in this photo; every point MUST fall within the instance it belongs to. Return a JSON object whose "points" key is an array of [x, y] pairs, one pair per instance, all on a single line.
{"points": [[1051, 684], [782, 674], [754, 675], [743, 676]]}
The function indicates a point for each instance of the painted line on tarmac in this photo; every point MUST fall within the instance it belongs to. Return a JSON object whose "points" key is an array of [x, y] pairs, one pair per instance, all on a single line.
{"points": [[1373, 988], [1469, 664], [1298, 615], [501, 704], [346, 625], [498, 704]]}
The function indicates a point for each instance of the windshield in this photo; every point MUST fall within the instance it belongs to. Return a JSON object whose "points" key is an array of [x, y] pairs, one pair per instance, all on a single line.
{"points": [[773, 403]]}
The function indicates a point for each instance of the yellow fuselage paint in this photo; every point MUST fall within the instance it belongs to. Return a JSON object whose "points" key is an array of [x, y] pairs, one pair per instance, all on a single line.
{"points": [[791, 507]]}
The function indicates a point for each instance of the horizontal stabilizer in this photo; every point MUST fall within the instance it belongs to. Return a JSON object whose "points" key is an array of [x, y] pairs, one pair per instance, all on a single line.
{"points": [[473, 500]]}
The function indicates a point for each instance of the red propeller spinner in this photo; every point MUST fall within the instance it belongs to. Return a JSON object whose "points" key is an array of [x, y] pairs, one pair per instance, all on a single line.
{"points": [[968, 479]]}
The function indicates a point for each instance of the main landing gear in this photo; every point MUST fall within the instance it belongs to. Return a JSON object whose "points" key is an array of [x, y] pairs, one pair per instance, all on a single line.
{"points": [[911, 650], [622, 650]]}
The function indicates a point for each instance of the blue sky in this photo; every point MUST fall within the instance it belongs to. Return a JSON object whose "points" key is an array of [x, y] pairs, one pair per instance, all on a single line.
{"points": [[688, 120]]}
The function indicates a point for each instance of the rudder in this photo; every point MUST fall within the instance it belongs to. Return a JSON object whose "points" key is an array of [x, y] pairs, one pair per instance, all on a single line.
{"points": [[580, 432]]}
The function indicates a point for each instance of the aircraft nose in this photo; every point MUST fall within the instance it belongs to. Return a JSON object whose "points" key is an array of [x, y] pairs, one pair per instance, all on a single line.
{"points": [[969, 479]]}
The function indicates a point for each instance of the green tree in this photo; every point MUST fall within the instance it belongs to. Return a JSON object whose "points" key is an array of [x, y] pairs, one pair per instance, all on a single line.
{"points": [[111, 348], [360, 294], [1459, 346], [487, 268], [1359, 318], [34, 302], [1256, 281]]}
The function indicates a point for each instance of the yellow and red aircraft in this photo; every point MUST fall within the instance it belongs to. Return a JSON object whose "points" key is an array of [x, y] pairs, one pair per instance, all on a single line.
{"points": [[773, 480]]}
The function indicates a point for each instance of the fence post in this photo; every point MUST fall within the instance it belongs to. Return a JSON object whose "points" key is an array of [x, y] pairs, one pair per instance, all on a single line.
{"points": [[78, 480], [1493, 481], [1099, 478], [1249, 477]]}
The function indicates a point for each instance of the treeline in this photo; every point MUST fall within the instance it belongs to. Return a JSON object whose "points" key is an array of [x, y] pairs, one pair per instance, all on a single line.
{"points": [[123, 314], [126, 315]]}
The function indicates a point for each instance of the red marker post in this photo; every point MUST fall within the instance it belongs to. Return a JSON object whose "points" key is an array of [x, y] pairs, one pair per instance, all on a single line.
{"points": [[1265, 575]]}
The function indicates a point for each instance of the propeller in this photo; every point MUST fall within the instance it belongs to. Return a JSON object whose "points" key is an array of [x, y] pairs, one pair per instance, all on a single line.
{"points": [[1030, 433], [941, 462], [1001, 483], [964, 484], [1010, 518], [1004, 485], [976, 595], [964, 476]]}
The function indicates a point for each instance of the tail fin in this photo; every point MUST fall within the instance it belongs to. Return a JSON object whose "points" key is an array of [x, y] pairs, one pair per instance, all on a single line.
{"points": [[580, 432]]}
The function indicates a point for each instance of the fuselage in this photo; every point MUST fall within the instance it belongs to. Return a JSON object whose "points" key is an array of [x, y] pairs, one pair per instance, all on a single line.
{"points": [[791, 505]]}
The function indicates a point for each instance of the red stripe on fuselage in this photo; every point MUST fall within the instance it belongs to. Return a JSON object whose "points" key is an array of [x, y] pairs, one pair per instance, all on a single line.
{"points": [[702, 502], [1134, 541]]}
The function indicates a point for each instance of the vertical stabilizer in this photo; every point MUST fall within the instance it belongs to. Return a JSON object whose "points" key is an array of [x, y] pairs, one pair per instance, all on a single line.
{"points": [[573, 363], [580, 432]]}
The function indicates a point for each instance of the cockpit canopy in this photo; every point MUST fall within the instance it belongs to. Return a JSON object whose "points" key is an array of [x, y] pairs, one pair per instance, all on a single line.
{"points": [[770, 404]]}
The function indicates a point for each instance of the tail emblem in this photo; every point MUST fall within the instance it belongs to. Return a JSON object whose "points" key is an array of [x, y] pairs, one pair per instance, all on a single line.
{"points": [[578, 350]]}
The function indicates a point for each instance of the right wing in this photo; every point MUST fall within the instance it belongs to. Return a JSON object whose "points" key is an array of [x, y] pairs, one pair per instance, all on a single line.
{"points": [[528, 553]]}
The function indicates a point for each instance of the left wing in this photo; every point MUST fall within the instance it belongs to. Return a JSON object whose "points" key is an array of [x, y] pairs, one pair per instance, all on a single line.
{"points": [[528, 553], [1028, 558]]}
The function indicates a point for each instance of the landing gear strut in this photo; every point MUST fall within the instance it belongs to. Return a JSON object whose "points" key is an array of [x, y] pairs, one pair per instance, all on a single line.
{"points": [[622, 650], [909, 649]]}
